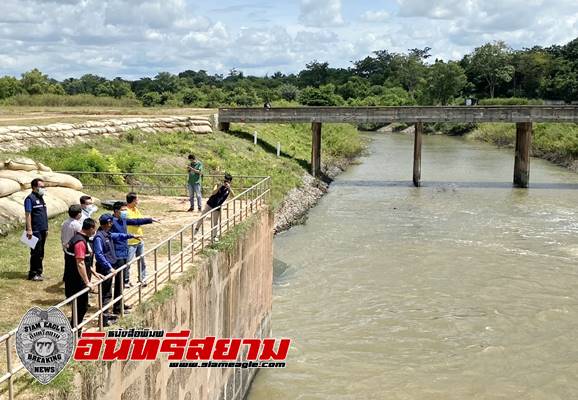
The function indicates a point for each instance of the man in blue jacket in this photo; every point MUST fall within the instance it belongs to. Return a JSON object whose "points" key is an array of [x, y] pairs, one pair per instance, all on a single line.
{"points": [[119, 225], [104, 252]]}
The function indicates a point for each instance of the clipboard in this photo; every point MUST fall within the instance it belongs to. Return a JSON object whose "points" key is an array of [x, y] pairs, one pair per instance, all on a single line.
{"points": [[29, 242]]}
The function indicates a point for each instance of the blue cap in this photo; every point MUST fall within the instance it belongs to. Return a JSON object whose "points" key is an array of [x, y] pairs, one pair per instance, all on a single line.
{"points": [[105, 219]]}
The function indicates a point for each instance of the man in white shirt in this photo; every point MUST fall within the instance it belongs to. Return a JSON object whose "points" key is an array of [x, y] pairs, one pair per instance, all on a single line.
{"points": [[71, 225]]}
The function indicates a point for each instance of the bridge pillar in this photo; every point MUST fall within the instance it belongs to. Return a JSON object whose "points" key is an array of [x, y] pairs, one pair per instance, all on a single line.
{"points": [[316, 149], [224, 126], [522, 156], [417, 154]]}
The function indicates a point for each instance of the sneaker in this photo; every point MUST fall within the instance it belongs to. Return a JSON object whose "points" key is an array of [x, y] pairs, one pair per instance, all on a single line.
{"points": [[109, 322], [37, 278], [191, 209], [144, 284], [128, 285]]}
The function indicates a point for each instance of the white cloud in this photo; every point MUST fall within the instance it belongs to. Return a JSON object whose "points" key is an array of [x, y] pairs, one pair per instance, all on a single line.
{"points": [[134, 38], [375, 16], [321, 13]]}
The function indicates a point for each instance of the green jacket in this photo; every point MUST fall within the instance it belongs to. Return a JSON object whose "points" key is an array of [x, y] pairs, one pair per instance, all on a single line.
{"points": [[194, 177]]}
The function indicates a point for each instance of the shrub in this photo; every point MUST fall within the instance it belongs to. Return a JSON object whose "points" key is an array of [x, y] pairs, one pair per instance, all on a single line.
{"points": [[510, 101]]}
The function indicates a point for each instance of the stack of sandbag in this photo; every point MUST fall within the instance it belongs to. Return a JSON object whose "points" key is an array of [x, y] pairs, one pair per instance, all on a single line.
{"points": [[15, 176]]}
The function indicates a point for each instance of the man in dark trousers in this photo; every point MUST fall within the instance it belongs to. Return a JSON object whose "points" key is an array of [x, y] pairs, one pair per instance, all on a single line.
{"points": [[105, 256], [36, 225], [78, 268], [119, 225], [218, 197]]}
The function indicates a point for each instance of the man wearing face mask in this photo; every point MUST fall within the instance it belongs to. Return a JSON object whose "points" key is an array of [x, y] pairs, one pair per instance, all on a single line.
{"points": [[79, 268], [88, 207], [120, 224], [36, 225]]}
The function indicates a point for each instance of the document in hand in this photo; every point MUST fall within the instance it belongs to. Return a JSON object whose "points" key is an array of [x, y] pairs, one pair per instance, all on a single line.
{"points": [[29, 242]]}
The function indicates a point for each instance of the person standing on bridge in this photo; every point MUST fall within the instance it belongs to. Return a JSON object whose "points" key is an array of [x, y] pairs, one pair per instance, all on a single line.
{"points": [[217, 198], [37, 226], [136, 246], [194, 183]]}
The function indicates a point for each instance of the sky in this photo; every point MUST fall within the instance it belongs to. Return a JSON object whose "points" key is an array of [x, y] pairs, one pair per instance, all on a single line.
{"points": [[139, 38]]}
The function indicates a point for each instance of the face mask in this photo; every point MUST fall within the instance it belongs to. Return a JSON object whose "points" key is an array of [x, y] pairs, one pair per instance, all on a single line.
{"points": [[123, 214], [41, 191], [91, 209]]}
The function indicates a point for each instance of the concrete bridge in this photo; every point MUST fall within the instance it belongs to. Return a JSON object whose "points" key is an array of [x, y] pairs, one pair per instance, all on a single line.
{"points": [[522, 116]]}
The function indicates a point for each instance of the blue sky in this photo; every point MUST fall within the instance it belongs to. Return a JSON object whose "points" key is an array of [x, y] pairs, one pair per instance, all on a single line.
{"points": [[136, 38]]}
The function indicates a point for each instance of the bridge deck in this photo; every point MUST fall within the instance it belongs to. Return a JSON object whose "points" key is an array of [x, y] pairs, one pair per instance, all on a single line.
{"points": [[402, 114]]}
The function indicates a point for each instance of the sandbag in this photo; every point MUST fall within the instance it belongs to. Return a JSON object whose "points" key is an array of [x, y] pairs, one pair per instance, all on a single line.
{"points": [[52, 179], [54, 205], [69, 196], [11, 214], [20, 164], [43, 168], [22, 177], [8, 186]]}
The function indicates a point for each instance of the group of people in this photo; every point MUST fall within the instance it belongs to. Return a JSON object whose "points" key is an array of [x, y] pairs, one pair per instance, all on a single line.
{"points": [[90, 251], [97, 252]]}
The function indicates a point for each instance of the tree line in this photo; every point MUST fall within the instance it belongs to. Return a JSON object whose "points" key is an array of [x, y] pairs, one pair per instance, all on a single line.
{"points": [[493, 70]]}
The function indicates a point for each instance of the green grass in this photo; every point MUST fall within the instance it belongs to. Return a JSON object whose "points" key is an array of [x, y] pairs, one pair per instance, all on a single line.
{"points": [[234, 152], [79, 100], [554, 142]]}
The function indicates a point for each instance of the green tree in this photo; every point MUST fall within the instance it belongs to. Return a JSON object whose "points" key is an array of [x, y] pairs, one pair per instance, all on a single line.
{"points": [[9, 86], [323, 96], [445, 81], [151, 99], [532, 69], [90, 84], [194, 97], [355, 87], [35, 82], [288, 92], [376, 68], [315, 74], [409, 70], [166, 82], [492, 64]]}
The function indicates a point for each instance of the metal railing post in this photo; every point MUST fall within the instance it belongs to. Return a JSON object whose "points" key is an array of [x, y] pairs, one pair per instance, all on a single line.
{"points": [[170, 261], [182, 253], [139, 273], [156, 270], [9, 366], [228, 204], [101, 315], [203, 234], [75, 316]]}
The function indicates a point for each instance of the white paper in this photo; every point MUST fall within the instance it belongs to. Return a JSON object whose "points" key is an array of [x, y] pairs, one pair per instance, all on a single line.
{"points": [[29, 242]]}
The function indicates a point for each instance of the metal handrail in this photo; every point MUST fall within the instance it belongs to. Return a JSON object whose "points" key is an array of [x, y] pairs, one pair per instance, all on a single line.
{"points": [[252, 198]]}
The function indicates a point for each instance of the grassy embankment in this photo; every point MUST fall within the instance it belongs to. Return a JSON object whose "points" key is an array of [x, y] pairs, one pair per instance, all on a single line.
{"points": [[136, 151], [557, 143]]}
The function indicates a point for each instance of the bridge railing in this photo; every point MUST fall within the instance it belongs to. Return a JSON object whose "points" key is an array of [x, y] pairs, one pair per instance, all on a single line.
{"points": [[168, 258]]}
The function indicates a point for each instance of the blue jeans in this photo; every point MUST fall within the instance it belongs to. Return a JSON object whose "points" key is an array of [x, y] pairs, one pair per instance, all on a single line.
{"points": [[133, 252], [195, 191]]}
